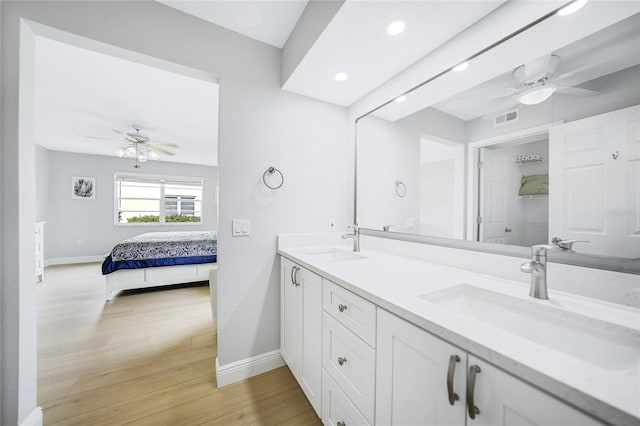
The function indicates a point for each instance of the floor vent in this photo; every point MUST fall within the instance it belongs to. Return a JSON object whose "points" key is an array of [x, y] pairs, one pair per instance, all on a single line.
{"points": [[507, 117]]}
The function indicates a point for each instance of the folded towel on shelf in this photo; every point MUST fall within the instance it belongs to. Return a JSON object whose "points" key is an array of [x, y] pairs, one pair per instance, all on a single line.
{"points": [[534, 185]]}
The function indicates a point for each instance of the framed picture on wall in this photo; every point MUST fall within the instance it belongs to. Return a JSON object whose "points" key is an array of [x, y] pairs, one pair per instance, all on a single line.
{"points": [[83, 188]]}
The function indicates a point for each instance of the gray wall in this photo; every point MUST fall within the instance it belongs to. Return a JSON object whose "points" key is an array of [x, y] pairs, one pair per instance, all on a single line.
{"points": [[77, 228], [260, 126], [43, 160]]}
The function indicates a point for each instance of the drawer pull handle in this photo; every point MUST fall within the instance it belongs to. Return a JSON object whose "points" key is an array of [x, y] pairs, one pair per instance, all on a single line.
{"points": [[471, 383], [342, 360], [453, 397], [341, 423], [342, 307]]}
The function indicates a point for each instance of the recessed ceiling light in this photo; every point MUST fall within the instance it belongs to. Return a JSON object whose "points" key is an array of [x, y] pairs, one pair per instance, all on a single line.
{"points": [[395, 28], [401, 98], [572, 7], [341, 76], [461, 67]]}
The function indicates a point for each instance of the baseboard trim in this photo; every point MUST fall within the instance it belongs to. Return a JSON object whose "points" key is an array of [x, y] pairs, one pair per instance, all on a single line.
{"points": [[34, 419], [71, 260], [249, 367]]}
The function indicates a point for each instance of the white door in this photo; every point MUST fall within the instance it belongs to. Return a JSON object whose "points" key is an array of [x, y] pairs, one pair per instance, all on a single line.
{"points": [[493, 193], [311, 358], [503, 400], [412, 369], [594, 181], [290, 316]]}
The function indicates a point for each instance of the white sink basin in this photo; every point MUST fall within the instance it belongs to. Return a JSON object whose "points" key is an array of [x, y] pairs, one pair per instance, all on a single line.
{"points": [[333, 255], [608, 346]]}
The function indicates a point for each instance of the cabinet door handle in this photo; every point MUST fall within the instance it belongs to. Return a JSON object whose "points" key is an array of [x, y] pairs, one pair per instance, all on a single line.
{"points": [[293, 268], [471, 383], [341, 423], [342, 360], [342, 307], [295, 277], [453, 397]]}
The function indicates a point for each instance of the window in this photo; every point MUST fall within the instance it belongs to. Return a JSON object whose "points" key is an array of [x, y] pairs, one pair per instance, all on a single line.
{"points": [[157, 199]]}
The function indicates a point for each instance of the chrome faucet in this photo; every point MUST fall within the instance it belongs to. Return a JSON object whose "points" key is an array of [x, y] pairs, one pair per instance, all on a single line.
{"points": [[355, 236], [566, 245], [386, 228], [537, 267]]}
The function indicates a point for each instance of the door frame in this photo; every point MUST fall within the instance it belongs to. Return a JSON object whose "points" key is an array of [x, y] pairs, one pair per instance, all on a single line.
{"points": [[473, 175]]}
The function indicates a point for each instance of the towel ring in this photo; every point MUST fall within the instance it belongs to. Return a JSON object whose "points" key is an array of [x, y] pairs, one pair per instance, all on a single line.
{"points": [[401, 189], [272, 170]]}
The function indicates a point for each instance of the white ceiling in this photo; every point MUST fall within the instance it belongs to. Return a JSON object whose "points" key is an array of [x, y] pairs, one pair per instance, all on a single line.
{"points": [[356, 41], [613, 49], [81, 95], [268, 21]]}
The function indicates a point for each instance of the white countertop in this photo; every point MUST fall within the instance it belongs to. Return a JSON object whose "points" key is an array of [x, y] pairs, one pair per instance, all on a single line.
{"points": [[395, 283]]}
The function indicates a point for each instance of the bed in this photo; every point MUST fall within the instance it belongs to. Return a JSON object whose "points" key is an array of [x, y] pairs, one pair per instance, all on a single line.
{"points": [[160, 258]]}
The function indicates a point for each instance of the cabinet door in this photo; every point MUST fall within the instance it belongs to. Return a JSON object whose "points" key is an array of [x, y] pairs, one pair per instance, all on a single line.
{"points": [[502, 399], [290, 316], [311, 365], [411, 376]]}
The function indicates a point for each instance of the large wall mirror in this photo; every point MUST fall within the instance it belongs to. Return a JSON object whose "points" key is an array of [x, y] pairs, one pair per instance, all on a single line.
{"points": [[546, 148]]}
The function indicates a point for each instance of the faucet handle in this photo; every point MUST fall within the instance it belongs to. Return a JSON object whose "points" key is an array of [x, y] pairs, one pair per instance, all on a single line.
{"points": [[566, 245], [540, 250], [386, 228], [356, 228]]}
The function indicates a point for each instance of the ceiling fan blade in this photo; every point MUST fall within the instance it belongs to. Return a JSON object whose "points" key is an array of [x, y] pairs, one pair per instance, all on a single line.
{"points": [[171, 145], [96, 137], [576, 91], [162, 150], [124, 135]]}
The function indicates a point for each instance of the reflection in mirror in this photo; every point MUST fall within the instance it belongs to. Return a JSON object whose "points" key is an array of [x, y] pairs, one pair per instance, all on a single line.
{"points": [[548, 151]]}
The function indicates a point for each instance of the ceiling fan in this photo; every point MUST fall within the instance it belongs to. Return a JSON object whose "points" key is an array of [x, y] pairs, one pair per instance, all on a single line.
{"points": [[531, 84], [140, 147]]}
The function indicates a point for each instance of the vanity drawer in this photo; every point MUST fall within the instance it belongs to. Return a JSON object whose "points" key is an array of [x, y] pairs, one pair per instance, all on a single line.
{"points": [[336, 406], [352, 311], [351, 363]]}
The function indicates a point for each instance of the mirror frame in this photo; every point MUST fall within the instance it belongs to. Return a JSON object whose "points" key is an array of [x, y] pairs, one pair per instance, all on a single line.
{"points": [[610, 263]]}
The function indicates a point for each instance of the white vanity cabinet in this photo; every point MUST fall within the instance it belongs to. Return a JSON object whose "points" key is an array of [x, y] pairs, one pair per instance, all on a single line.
{"points": [[418, 377], [348, 357], [413, 368], [502, 399], [301, 327]]}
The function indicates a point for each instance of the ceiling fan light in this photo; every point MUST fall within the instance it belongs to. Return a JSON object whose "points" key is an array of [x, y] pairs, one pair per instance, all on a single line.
{"points": [[142, 158], [120, 152], [572, 7], [152, 155], [130, 151], [536, 95]]}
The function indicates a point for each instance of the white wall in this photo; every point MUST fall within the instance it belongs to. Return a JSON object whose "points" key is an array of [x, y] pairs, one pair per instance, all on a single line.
{"points": [[437, 183], [43, 161], [77, 228], [387, 153], [260, 126]]}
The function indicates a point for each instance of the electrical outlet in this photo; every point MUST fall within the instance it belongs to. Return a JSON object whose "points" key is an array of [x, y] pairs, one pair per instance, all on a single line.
{"points": [[332, 225]]}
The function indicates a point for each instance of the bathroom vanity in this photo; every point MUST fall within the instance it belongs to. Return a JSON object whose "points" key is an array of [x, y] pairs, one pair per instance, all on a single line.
{"points": [[376, 337]]}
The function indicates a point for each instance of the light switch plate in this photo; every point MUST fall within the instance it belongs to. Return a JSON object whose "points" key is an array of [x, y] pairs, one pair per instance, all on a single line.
{"points": [[240, 228], [332, 225]]}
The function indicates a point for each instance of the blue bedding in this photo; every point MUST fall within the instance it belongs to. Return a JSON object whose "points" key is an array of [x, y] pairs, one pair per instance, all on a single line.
{"points": [[162, 249]]}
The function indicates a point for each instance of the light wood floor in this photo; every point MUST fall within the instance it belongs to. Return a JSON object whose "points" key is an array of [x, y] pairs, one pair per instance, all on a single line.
{"points": [[147, 358]]}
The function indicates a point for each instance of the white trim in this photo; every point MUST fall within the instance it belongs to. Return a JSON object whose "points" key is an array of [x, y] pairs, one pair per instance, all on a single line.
{"points": [[248, 367], [72, 260], [34, 419]]}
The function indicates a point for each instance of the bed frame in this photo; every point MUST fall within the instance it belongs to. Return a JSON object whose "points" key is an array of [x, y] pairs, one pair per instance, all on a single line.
{"points": [[130, 279]]}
